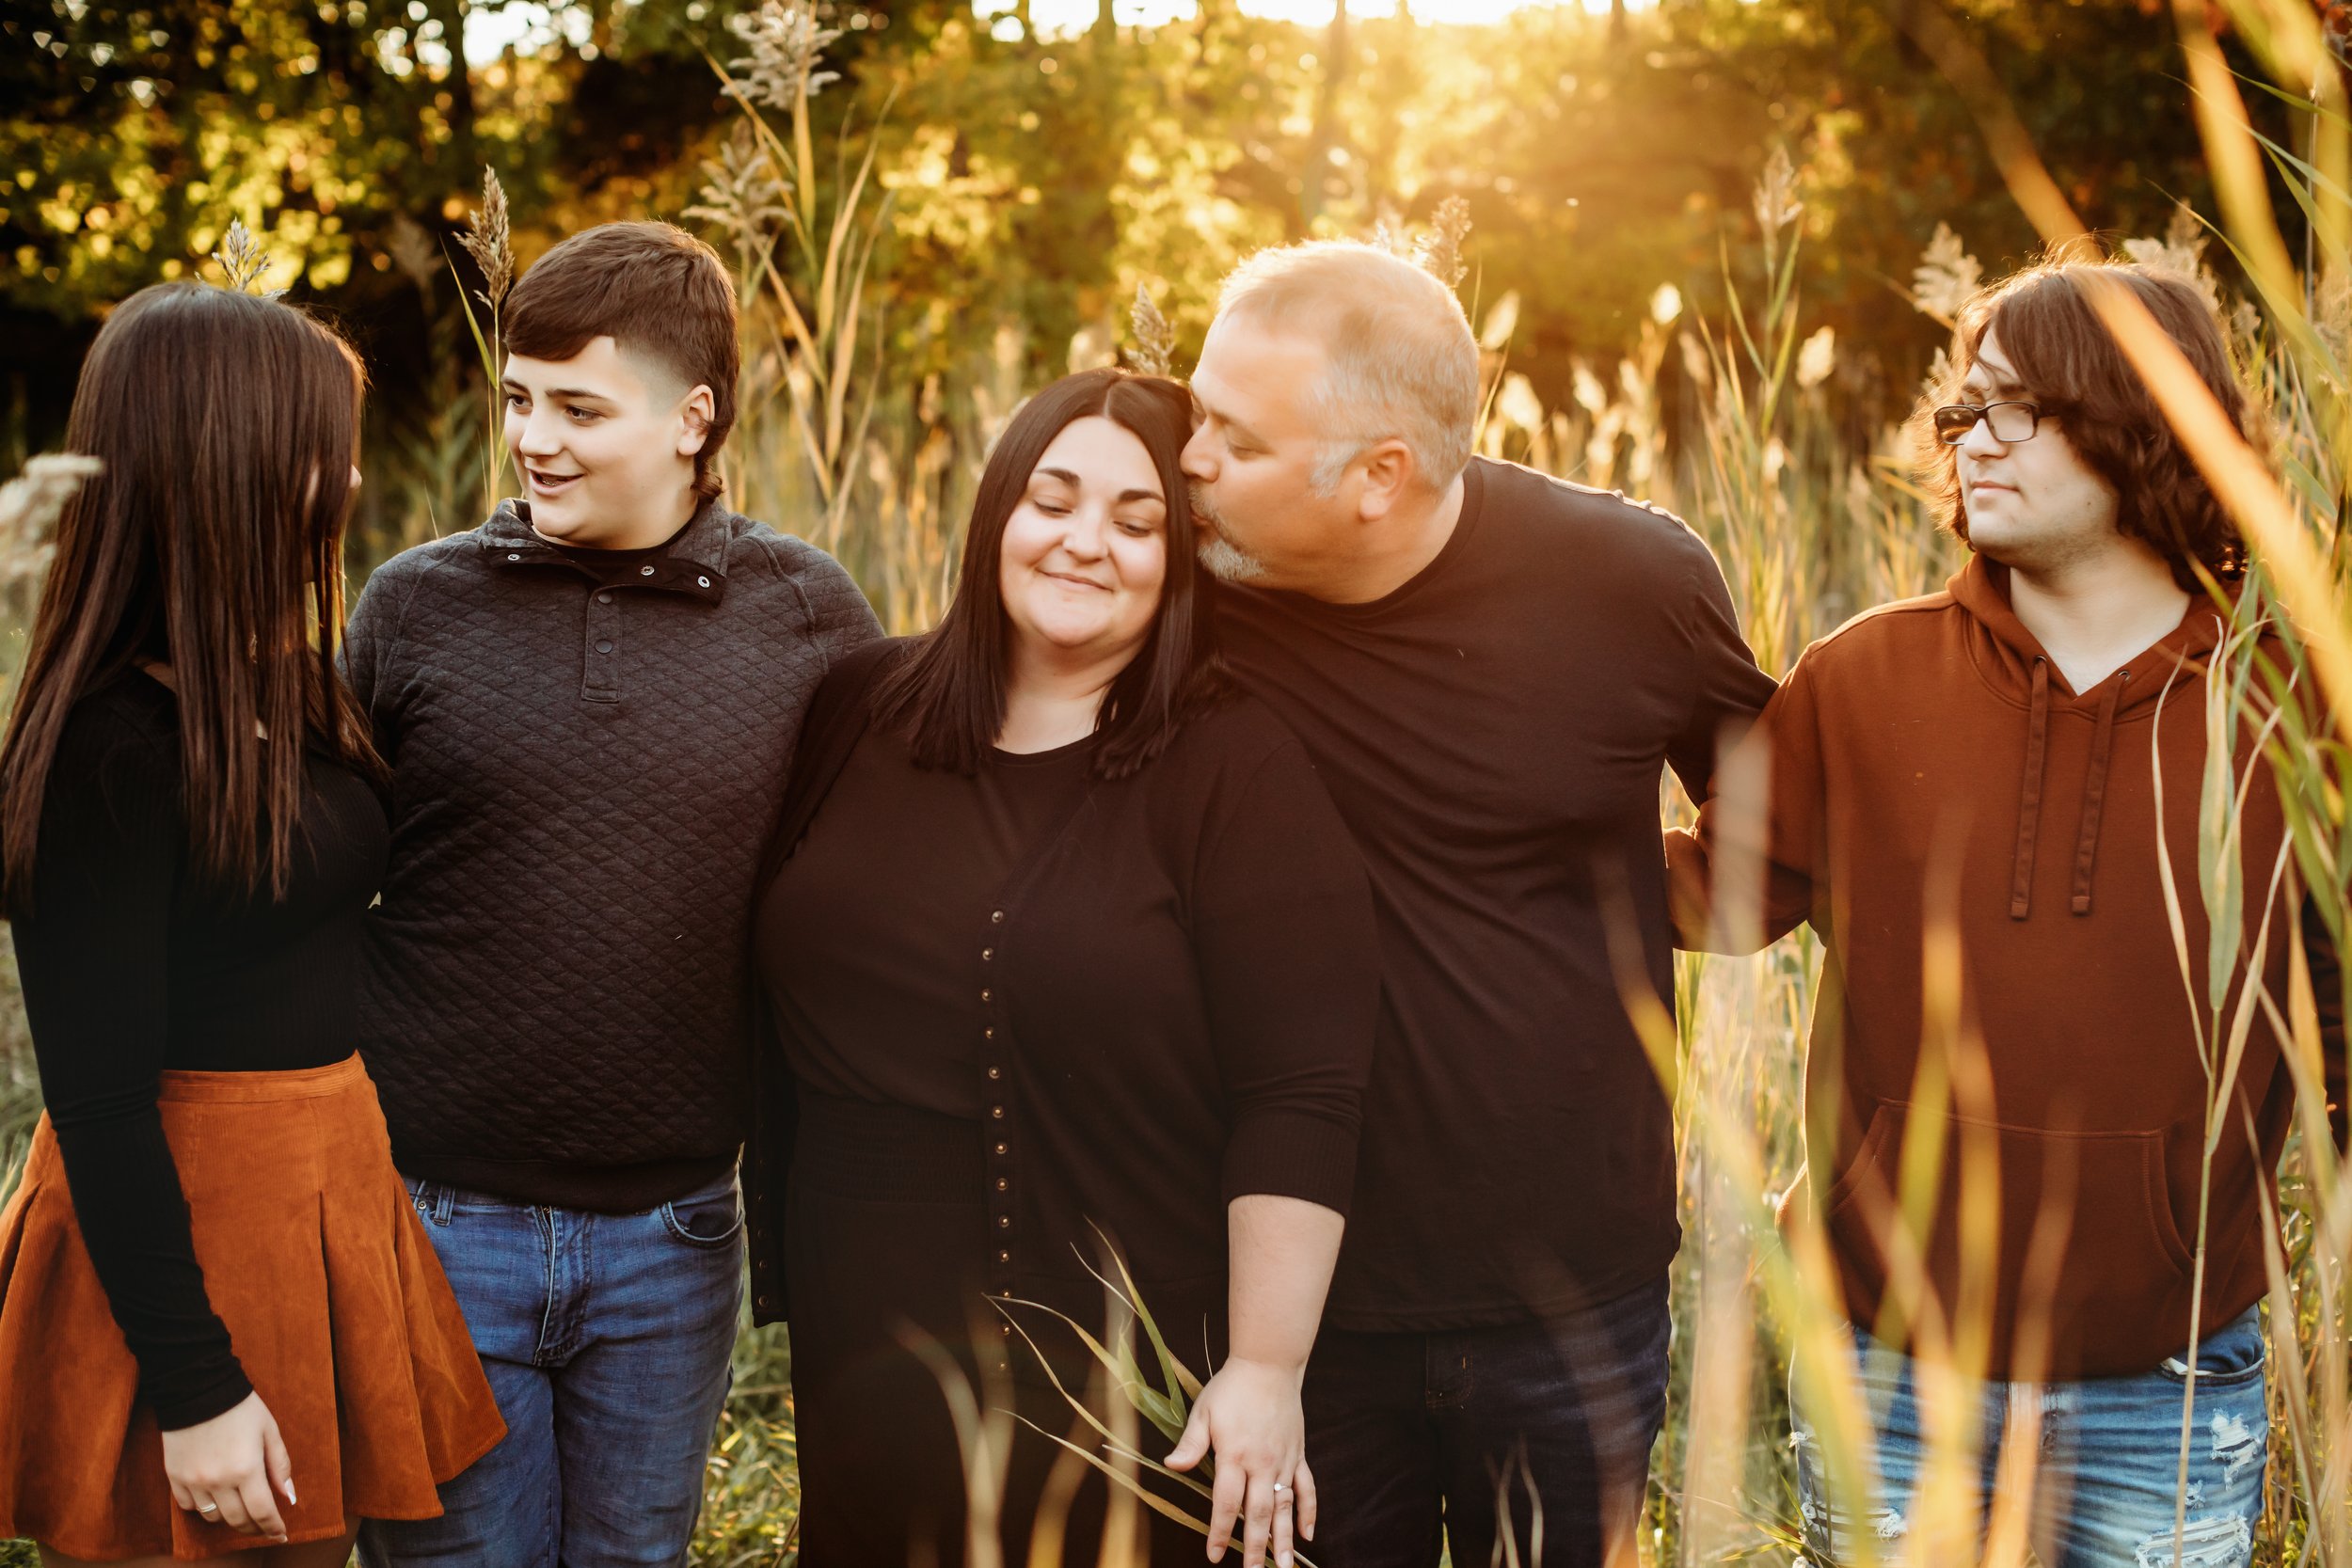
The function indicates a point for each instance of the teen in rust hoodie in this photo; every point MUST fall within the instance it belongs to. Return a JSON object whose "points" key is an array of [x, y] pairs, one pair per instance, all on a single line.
{"points": [[1932, 768]]}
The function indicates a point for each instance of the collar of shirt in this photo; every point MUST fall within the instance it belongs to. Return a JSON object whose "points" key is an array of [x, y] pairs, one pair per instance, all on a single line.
{"points": [[693, 562]]}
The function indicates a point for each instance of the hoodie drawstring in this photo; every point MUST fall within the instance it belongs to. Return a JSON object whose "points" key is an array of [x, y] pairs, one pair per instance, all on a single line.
{"points": [[2030, 792], [2095, 792]]}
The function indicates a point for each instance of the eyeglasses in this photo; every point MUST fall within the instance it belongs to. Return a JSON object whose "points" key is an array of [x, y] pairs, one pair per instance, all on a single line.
{"points": [[2009, 421]]}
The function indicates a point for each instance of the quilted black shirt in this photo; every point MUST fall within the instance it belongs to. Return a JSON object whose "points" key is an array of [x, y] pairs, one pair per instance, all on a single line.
{"points": [[554, 1000]]}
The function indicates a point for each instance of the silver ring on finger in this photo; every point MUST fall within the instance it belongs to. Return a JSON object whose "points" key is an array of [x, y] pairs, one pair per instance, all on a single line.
{"points": [[1281, 1487], [208, 1507]]}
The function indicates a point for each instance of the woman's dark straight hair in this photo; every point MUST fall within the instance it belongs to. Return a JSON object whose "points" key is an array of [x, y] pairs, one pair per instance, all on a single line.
{"points": [[948, 696], [226, 427]]}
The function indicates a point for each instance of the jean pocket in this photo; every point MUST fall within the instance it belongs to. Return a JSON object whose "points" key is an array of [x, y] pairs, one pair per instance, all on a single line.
{"points": [[711, 1220], [425, 1200], [2230, 1357]]}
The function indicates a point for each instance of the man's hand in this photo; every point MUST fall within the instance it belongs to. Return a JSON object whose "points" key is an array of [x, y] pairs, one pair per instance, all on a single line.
{"points": [[1250, 1418]]}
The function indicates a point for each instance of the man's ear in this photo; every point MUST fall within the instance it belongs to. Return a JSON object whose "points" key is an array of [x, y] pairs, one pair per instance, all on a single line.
{"points": [[1389, 471], [696, 414]]}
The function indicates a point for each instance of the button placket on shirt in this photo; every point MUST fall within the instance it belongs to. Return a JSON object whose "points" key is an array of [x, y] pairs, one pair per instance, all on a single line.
{"points": [[997, 1129], [600, 651]]}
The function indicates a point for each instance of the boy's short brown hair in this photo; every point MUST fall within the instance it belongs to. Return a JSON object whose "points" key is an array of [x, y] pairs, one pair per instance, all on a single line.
{"points": [[656, 292], [2072, 366]]}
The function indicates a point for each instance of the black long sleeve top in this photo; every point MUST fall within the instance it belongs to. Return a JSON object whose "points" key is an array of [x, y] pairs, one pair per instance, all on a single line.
{"points": [[132, 964], [1165, 1002]]}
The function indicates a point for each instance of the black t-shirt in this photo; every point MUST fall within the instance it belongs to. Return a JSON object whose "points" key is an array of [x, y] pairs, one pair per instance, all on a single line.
{"points": [[134, 963], [1494, 733], [614, 567]]}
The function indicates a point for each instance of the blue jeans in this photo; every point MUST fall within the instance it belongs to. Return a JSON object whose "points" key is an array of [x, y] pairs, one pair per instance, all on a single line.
{"points": [[2108, 1477], [606, 1338], [1417, 1436]]}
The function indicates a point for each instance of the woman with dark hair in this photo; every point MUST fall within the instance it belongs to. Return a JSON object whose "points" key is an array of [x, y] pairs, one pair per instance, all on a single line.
{"points": [[1068, 950], [222, 1330]]}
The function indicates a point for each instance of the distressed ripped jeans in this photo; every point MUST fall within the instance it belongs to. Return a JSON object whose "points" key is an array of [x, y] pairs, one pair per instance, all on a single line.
{"points": [[2106, 1479]]}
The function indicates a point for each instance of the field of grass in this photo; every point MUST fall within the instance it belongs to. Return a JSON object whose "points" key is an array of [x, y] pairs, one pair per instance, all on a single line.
{"points": [[1812, 524]]}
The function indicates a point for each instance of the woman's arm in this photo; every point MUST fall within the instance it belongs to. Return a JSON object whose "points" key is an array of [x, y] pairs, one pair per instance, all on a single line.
{"points": [[92, 951], [1283, 1250], [1288, 952]]}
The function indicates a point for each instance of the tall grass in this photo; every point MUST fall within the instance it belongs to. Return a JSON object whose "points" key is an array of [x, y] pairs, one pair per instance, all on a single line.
{"points": [[1810, 529]]}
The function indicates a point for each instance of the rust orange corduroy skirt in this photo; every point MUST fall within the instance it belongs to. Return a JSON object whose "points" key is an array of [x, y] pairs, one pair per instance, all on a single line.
{"points": [[335, 1308]]}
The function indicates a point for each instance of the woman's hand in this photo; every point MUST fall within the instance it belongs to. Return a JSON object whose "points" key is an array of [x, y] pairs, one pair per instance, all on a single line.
{"points": [[1248, 1415], [232, 1463]]}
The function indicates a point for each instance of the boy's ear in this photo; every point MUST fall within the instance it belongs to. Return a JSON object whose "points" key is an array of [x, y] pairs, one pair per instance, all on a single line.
{"points": [[696, 414]]}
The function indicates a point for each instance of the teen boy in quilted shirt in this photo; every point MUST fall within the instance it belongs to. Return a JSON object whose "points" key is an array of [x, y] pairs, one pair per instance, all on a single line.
{"points": [[1983, 756], [589, 704]]}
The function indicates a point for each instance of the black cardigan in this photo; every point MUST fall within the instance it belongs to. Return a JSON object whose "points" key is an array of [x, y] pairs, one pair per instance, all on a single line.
{"points": [[1215, 1087]]}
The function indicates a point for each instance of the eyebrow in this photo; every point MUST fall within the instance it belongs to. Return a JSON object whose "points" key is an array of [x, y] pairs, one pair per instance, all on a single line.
{"points": [[1226, 420], [1978, 376], [578, 394], [1125, 496]]}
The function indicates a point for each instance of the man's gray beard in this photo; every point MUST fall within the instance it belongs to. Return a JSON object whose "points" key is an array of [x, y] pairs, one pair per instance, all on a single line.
{"points": [[1223, 561]]}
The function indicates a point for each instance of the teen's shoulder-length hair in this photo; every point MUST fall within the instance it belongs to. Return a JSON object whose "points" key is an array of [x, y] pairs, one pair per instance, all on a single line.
{"points": [[225, 427], [2069, 364], [947, 696]]}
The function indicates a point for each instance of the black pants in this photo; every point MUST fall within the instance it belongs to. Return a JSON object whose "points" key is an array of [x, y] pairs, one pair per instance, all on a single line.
{"points": [[1415, 1435]]}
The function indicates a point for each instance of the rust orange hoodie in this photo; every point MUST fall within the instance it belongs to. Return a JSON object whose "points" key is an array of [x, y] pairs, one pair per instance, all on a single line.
{"points": [[1934, 738]]}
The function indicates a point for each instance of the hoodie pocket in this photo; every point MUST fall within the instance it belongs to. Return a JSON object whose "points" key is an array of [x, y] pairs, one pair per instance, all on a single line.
{"points": [[1872, 1167], [2122, 1251]]}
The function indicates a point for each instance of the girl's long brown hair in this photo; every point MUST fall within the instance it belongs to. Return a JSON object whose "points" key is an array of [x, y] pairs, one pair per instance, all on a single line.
{"points": [[225, 426]]}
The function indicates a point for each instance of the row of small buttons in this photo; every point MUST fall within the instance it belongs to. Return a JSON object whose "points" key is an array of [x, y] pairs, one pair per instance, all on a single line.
{"points": [[1000, 1179]]}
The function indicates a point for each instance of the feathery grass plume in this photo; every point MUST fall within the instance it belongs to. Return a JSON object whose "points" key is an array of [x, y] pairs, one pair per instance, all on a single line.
{"points": [[413, 252], [487, 241], [785, 41], [1439, 250], [1154, 353], [30, 505], [244, 259], [2182, 250], [1390, 231], [1817, 358], [804, 244], [1777, 204], [747, 198], [1946, 277]]}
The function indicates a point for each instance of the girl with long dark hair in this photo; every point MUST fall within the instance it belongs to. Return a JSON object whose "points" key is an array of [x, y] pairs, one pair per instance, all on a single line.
{"points": [[1068, 950], [222, 1330]]}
